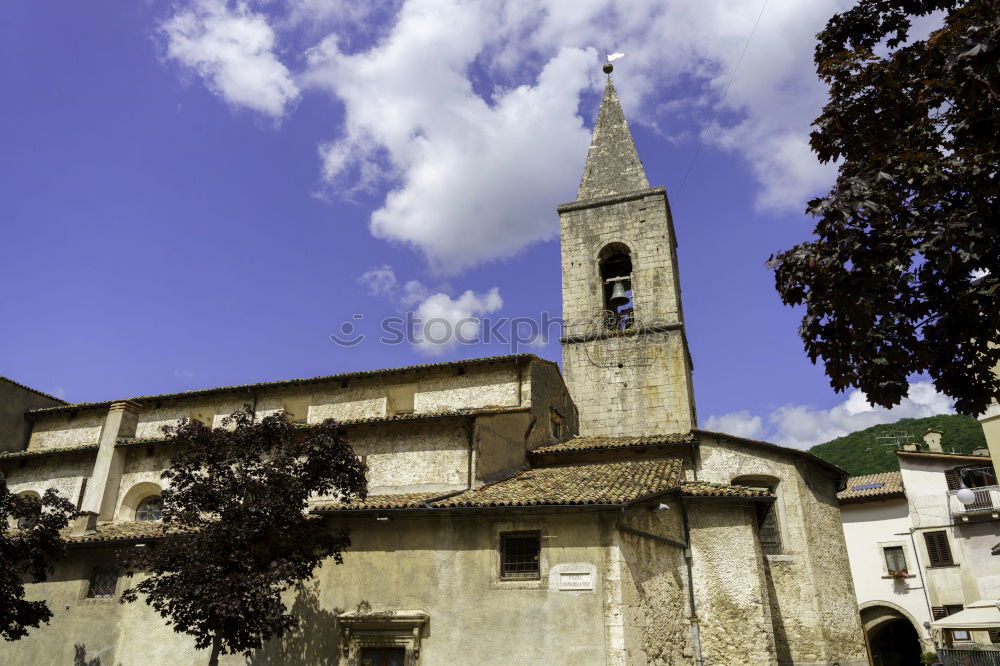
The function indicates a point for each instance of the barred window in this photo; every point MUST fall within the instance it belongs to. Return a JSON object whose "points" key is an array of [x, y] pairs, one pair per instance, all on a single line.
{"points": [[519, 554], [938, 550], [103, 583], [150, 508]]}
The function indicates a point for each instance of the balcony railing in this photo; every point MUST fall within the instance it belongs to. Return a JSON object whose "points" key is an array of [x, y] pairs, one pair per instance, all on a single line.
{"points": [[986, 503]]}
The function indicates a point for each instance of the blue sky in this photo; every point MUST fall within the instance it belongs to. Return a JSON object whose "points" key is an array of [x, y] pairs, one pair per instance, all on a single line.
{"points": [[199, 193]]}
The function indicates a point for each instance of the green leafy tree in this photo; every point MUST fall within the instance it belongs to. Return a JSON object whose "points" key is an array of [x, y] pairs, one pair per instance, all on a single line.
{"points": [[30, 550], [902, 276], [239, 534]]}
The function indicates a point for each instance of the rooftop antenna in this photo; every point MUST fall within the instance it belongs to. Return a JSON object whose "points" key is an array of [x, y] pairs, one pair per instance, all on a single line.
{"points": [[895, 439]]}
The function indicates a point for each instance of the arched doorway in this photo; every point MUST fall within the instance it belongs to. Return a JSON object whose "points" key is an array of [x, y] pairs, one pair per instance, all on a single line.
{"points": [[891, 636]]}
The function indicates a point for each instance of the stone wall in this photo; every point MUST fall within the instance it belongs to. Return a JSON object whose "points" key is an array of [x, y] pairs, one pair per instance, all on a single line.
{"points": [[646, 595], [814, 609], [625, 383], [502, 384], [64, 473], [731, 596]]}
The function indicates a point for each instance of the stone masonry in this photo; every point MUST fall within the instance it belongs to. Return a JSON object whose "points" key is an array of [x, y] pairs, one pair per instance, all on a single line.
{"points": [[636, 381]]}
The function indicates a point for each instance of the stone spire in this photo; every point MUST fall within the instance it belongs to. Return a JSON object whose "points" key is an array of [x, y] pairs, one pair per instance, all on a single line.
{"points": [[613, 165]]}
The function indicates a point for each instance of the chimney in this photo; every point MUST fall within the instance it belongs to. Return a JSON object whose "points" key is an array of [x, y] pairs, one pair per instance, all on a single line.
{"points": [[932, 438], [912, 446]]}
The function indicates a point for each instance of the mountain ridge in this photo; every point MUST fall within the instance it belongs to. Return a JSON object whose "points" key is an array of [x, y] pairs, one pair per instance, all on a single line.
{"points": [[860, 453]]}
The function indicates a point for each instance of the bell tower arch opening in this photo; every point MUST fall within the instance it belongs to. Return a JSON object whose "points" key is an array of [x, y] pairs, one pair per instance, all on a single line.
{"points": [[615, 270]]}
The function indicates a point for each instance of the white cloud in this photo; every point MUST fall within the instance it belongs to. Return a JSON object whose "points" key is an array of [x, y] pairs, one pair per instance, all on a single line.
{"points": [[440, 321], [466, 113], [470, 178], [741, 423], [445, 322], [474, 162], [802, 426], [232, 49], [381, 281]]}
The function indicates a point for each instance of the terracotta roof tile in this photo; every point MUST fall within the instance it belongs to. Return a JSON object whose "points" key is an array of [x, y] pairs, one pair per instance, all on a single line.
{"points": [[874, 486], [37, 453], [132, 530], [607, 483], [600, 442], [375, 502], [705, 489]]}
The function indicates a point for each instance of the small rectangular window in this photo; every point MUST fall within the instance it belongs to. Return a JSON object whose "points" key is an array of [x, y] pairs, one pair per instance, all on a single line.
{"points": [[767, 529], [519, 555], [938, 550], [959, 635], [895, 559], [103, 583], [400, 399]]}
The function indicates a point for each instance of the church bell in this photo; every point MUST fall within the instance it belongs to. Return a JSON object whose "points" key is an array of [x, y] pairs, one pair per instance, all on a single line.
{"points": [[618, 297]]}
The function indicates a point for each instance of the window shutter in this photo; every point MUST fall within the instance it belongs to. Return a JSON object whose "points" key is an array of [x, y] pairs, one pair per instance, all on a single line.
{"points": [[938, 549], [951, 476]]}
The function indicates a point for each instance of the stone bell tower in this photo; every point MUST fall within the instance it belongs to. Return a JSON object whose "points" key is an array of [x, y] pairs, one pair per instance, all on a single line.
{"points": [[625, 354]]}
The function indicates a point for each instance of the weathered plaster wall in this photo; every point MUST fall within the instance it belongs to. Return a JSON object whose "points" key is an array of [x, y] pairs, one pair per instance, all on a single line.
{"points": [[14, 401], [646, 593], [731, 601], [443, 566], [408, 457], [495, 385], [64, 473], [814, 611], [66, 429]]}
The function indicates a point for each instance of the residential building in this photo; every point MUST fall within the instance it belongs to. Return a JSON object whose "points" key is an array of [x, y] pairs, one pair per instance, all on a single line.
{"points": [[919, 553], [516, 515]]}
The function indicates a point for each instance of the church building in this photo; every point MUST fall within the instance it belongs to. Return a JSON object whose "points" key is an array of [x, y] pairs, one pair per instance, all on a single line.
{"points": [[517, 514]]}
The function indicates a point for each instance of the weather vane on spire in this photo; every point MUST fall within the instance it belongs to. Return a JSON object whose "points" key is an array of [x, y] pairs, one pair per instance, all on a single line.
{"points": [[608, 67]]}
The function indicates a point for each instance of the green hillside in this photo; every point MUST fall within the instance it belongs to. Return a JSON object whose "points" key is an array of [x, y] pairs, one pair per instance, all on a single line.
{"points": [[860, 453]]}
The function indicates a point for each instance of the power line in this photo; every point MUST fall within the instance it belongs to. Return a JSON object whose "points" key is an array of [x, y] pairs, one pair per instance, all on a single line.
{"points": [[726, 91]]}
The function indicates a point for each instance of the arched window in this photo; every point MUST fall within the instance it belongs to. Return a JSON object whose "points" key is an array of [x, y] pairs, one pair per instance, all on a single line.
{"points": [[616, 279], [768, 527], [150, 508]]}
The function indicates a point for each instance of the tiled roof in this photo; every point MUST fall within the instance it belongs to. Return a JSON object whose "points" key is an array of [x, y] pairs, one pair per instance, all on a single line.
{"points": [[132, 530], [872, 486], [376, 502], [600, 442], [296, 382], [37, 453], [607, 483], [705, 489]]}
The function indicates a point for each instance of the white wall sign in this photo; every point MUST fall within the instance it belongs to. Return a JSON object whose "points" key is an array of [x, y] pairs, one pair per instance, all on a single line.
{"points": [[576, 580]]}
